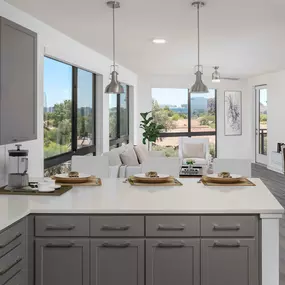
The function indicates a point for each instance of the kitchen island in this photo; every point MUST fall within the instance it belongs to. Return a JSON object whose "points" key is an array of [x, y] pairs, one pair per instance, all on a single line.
{"points": [[190, 234]]}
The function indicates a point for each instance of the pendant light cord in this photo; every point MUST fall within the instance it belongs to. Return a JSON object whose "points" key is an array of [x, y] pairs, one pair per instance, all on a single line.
{"points": [[198, 26], [114, 39]]}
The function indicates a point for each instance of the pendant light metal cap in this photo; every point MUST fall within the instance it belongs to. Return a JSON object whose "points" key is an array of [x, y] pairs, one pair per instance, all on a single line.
{"points": [[216, 77], [199, 86], [114, 87]]}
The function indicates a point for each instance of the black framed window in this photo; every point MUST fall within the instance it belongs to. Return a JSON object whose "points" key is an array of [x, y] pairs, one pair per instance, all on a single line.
{"points": [[69, 112], [184, 115], [119, 118]]}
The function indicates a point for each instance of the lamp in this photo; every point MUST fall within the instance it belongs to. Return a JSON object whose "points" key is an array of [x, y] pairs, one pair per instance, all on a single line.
{"points": [[199, 86], [216, 77], [114, 86]]}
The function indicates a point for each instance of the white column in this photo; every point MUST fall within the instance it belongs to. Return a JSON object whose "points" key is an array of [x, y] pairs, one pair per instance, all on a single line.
{"points": [[270, 250]]}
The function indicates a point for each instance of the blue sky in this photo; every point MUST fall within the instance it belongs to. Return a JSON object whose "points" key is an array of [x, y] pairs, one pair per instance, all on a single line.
{"points": [[58, 80], [172, 96]]}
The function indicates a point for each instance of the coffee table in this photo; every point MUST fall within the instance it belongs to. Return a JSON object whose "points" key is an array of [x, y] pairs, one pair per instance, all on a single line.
{"points": [[196, 171]]}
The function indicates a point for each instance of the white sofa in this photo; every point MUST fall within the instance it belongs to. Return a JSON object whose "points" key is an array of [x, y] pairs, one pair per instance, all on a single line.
{"points": [[203, 160], [124, 171]]}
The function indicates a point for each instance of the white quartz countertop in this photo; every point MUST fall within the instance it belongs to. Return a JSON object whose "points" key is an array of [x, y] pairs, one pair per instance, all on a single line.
{"points": [[116, 197]]}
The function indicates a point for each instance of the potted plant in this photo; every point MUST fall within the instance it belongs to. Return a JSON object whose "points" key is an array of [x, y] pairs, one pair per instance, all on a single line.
{"points": [[190, 162], [151, 128]]}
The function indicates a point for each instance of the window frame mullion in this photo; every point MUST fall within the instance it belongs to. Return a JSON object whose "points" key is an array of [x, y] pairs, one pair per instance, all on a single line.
{"points": [[74, 108]]}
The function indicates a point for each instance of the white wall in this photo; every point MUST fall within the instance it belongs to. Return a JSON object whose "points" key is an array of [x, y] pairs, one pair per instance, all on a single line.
{"points": [[228, 146], [276, 111], [53, 43]]}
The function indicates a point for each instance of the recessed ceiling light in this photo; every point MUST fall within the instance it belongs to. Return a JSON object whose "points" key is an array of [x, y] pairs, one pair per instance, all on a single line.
{"points": [[159, 41]]}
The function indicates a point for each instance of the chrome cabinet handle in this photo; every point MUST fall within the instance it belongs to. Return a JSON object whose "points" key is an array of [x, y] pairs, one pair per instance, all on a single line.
{"points": [[11, 240], [5, 270], [226, 228], [59, 245], [171, 245], [170, 228], [116, 245], [60, 228], [218, 244], [115, 228]]}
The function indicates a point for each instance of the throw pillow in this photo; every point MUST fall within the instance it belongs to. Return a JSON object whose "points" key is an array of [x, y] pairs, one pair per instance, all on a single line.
{"points": [[129, 157], [191, 150], [141, 152]]}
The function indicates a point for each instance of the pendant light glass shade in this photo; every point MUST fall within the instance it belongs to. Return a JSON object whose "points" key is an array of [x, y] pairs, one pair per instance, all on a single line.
{"points": [[216, 77], [199, 86], [114, 86]]}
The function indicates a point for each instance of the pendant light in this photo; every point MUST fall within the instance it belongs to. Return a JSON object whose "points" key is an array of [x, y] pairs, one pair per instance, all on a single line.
{"points": [[199, 86], [114, 87], [216, 76]]}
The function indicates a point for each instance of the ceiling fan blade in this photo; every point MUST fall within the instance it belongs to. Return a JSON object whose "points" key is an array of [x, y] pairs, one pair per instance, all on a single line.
{"points": [[230, 78]]}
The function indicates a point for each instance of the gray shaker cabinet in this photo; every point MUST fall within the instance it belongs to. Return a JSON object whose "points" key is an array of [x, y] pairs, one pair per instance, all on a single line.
{"points": [[229, 261], [18, 83], [117, 262], [62, 261], [173, 261]]}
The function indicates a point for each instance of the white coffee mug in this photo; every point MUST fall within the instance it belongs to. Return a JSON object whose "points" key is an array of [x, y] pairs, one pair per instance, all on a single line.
{"points": [[46, 186]]}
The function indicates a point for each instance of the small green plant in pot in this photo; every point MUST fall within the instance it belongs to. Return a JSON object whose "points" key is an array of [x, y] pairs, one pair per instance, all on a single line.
{"points": [[151, 129], [190, 162]]}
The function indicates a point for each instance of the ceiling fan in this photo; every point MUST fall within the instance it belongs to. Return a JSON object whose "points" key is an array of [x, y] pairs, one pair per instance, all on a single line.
{"points": [[216, 76]]}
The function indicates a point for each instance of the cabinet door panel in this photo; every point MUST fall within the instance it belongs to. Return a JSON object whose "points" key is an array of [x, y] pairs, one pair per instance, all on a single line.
{"points": [[229, 261], [173, 261], [18, 83], [117, 261], [62, 261]]}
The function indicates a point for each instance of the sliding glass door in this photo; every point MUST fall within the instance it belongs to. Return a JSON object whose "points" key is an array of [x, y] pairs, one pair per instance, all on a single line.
{"points": [[261, 124]]}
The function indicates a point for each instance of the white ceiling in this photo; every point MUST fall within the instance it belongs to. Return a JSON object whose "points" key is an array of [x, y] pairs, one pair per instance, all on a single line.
{"points": [[243, 37]]}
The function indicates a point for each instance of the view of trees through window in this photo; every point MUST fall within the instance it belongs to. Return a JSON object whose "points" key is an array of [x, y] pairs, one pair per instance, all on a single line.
{"points": [[68, 110], [57, 107], [185, 115], [119, 117]]}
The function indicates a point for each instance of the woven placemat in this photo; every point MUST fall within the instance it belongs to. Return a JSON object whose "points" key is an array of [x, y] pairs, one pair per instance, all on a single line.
{"points": [[172, 182], [93, 181], [58, 192], [243, 182]]}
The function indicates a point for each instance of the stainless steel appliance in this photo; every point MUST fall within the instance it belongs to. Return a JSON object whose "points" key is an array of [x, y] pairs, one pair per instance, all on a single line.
{"points": [[18, 168]]}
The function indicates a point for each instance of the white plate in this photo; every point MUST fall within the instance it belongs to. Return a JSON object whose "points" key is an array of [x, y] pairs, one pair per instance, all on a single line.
{"points": [[142, 175], [215, 175], [65, 175]]}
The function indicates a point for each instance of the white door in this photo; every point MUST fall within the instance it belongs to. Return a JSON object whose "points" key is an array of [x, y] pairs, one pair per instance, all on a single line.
{"points": [[261, 124]]}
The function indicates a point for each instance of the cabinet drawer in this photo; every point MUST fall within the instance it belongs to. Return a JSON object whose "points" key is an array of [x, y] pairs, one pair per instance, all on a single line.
{"points": [[12, 263], [12, 237], [172, 226], [18, 279], [111, 226], [227, 226], [65, 226]]}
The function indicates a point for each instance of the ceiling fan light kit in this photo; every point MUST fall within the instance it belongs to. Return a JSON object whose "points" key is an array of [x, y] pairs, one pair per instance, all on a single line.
{"points": [[114, 87], [216, 76], [199, 86]]}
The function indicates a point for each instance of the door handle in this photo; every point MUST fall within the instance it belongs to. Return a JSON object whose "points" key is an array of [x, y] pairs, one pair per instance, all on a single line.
{"points": [[170, 228], [115, 228], [5, 270], [60, 245], [226, 228], [218, 244], [60, 228], [116, 245], [11, 240], [171, 245]]}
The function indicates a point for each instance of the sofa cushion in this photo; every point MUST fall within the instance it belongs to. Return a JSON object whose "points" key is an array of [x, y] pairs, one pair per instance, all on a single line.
{"points": [[114, 157], [129, 157], [141, 152], [192, 150]]}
